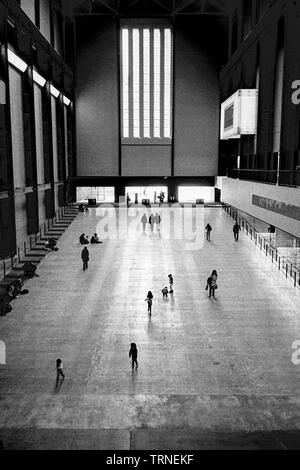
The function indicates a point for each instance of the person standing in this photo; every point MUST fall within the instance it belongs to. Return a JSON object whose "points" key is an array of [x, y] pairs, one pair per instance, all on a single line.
{"points": [[212, 283], [165, 292], [144, 221], [59, 370], [157, 220], [85, 256], [133, 352], [208, 229], [171, 281], [149, 302], [236, 230]]}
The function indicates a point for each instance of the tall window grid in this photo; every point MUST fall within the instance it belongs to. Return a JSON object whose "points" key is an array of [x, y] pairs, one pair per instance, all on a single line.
{"points": [[146, 82]]}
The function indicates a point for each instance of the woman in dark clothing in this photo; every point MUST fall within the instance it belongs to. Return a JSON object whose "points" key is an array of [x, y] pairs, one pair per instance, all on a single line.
{"points": [[149, 301], [95, 239], [85, 256], [133, 352], [83, 240]]}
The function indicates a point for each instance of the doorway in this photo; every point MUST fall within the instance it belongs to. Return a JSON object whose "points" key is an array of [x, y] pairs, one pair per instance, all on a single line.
{"points": [[139, 193]]}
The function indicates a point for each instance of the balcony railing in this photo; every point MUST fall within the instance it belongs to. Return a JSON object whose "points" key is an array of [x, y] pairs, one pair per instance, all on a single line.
{"points": [[265, 245], [282, 177]]}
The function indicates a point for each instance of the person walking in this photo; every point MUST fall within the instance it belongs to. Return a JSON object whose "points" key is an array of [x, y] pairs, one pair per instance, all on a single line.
{"points": [[236, 230], [59, 370], [85, 256], [149, 302], [144, 221], [212, 283], [151, 222], [208, 229], [133, 352], [157, 219], [171, 281]]}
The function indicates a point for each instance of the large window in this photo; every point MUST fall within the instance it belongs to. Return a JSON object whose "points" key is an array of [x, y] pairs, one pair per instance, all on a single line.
{"points": [[146, 83]]}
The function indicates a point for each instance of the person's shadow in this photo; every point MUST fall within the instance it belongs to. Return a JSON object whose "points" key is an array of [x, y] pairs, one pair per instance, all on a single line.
{"points": [[58, 384]]}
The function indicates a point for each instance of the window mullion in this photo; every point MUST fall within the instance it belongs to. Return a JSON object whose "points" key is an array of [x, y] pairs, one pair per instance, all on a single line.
{"points": [[141, 84], [151, 40], [130, 83], [162, 83]]}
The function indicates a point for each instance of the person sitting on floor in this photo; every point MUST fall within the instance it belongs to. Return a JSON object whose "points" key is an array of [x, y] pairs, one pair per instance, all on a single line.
{"points": [[29, 269], [95, 239], [83, 239], [50, 244], [82, 208], [11, 291]]}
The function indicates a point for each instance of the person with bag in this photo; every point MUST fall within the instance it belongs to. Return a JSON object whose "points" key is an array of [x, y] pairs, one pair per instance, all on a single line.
{"points": [[212, 283]]}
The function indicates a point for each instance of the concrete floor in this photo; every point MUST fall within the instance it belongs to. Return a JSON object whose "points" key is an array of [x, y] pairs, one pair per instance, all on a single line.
{"points": [[212, 373]]}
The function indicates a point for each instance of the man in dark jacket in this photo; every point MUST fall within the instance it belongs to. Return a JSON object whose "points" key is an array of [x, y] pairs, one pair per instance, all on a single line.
{"points": [[236, 230], [85, 256]]}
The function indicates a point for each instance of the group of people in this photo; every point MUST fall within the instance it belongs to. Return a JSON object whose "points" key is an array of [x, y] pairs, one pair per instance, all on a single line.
{"points": [[165, 292], [84, 239], [154, 219], [85, 254], [236, 230]]}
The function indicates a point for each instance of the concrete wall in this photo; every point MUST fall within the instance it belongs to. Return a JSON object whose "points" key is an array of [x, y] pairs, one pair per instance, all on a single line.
{"points": [[141, 160], [54, 138], [17, 129], [196, 99], [239, 194], [29, 8], [39, 134], [97, 111], [21, 218], [45, 18]]}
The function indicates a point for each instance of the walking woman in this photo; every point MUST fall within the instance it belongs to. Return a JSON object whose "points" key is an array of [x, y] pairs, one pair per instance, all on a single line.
{"points": [[133, 352], [149, 302]]}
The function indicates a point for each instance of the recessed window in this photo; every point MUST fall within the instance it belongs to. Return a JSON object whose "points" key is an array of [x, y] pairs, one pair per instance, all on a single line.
{"points": [[146, 79]]}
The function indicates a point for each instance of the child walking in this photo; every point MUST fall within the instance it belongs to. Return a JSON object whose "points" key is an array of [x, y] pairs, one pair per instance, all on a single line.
{"points": [[133, 352], [165, 292], [212, 283]]}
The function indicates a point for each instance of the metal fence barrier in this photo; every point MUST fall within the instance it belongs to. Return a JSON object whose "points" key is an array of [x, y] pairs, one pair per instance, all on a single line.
{"points": [[271, 252]]}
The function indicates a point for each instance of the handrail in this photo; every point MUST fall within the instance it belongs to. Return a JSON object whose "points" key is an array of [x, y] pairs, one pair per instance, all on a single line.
{"points": [[7, 263], [284, 264]]}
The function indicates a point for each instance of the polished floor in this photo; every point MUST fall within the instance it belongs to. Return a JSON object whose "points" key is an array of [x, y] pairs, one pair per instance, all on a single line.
{"points": [[213, 373]]}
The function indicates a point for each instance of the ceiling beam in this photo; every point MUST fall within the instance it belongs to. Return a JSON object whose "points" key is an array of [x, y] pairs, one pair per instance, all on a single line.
{"points": [[107, 5], [163, 6], [183, 5]]}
